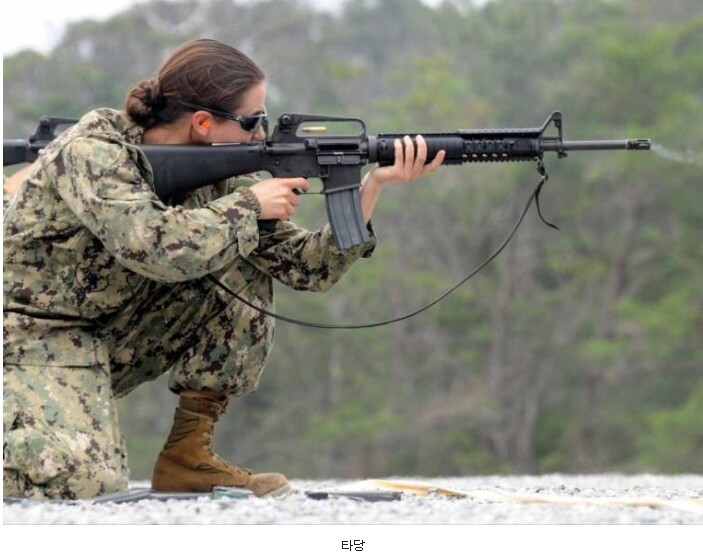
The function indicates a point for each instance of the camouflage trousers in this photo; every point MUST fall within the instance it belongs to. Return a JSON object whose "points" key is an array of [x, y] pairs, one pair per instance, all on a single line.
{"points": [[60, 424]]}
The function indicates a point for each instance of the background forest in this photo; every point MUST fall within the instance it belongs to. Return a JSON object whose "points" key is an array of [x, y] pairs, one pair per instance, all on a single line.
{"points": [[575, 351]]}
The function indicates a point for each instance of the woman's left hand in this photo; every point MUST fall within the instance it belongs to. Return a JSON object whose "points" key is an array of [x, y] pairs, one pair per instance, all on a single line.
{"points": [[409, 165]]}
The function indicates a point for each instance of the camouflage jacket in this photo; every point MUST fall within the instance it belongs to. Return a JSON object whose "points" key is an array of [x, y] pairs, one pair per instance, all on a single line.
{"points": [[85, 230]]}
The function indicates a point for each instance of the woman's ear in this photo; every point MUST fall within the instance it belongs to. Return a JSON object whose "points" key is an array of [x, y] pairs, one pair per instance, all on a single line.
{"points": [[201, 121]]}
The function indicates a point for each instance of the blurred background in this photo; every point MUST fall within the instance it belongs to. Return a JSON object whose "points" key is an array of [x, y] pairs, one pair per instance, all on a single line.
{"points": [[575, 351]]}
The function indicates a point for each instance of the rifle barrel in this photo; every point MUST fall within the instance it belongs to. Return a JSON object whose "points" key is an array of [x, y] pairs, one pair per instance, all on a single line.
{"points": [[623, 144]]}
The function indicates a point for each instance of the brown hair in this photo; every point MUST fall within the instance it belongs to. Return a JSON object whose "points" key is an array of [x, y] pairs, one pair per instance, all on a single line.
{"points": [[203, 71]]}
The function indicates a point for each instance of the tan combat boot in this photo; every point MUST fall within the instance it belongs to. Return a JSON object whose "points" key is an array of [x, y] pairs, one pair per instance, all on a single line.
{"points": [[187, 462]]}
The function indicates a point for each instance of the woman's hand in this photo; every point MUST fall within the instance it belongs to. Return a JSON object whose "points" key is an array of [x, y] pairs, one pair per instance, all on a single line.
{"points": [[408, 166], [277, 196]]}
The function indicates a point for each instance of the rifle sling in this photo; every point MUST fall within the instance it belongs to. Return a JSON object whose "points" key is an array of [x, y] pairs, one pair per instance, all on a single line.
{"points": [[533, 197]]}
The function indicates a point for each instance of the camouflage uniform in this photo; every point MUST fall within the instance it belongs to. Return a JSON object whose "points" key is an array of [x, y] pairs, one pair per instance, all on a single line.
{"points": [[104, 289], [6, 196]]}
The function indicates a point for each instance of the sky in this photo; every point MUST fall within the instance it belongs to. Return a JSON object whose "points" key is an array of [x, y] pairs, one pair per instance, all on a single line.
{"points": [[39, 24]]}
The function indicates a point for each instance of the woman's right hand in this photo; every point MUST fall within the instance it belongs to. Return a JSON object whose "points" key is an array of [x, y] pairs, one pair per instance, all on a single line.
{"points": [[277, 196]]}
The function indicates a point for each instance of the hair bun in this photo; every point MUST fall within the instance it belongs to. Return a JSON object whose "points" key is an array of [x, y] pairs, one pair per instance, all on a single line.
{"points": [[153, 98]]}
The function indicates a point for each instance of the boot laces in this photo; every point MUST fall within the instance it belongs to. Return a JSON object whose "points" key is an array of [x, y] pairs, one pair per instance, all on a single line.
{"points": [[208, 448]]}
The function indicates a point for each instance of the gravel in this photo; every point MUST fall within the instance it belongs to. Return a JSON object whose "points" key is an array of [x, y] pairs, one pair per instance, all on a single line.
{"points": [[410, 509]]}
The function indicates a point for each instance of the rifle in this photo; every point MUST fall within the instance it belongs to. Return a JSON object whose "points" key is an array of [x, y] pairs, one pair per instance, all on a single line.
{"points": [[301, 147]]}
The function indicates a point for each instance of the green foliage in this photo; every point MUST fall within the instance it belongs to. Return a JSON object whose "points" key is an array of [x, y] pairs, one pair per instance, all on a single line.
{"points": [[575, 351], [143, 449], [673, 438]]}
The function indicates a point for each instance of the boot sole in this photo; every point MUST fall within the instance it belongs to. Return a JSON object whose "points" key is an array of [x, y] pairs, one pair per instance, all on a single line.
{"points": [[173, 478]]}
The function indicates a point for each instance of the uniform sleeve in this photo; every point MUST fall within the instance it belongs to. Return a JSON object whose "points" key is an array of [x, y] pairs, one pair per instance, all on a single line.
{"points": [[104, 185], [6, 196], [306, 260]]}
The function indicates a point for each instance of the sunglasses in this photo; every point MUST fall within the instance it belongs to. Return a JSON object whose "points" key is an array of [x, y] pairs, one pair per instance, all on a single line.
{"points": [[250, 124]]}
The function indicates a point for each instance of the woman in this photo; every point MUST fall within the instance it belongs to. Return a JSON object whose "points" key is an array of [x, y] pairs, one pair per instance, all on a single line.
{"points": [[105, 285]]}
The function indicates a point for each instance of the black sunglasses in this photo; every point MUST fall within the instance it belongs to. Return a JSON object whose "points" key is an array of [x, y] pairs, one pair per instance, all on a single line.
{"points": [[250, 124]]}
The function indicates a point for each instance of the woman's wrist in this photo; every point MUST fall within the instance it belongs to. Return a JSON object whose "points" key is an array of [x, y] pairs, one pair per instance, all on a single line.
{"points": [[370, 183], [369, 192]]}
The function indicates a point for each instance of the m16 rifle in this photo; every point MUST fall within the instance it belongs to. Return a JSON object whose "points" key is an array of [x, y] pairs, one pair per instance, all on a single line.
{"points": [[302, 145]]}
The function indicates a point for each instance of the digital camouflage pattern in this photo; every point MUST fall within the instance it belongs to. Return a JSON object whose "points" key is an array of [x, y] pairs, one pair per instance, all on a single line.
{"points": [[104, 289], [61, 437], [6, 196]]}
